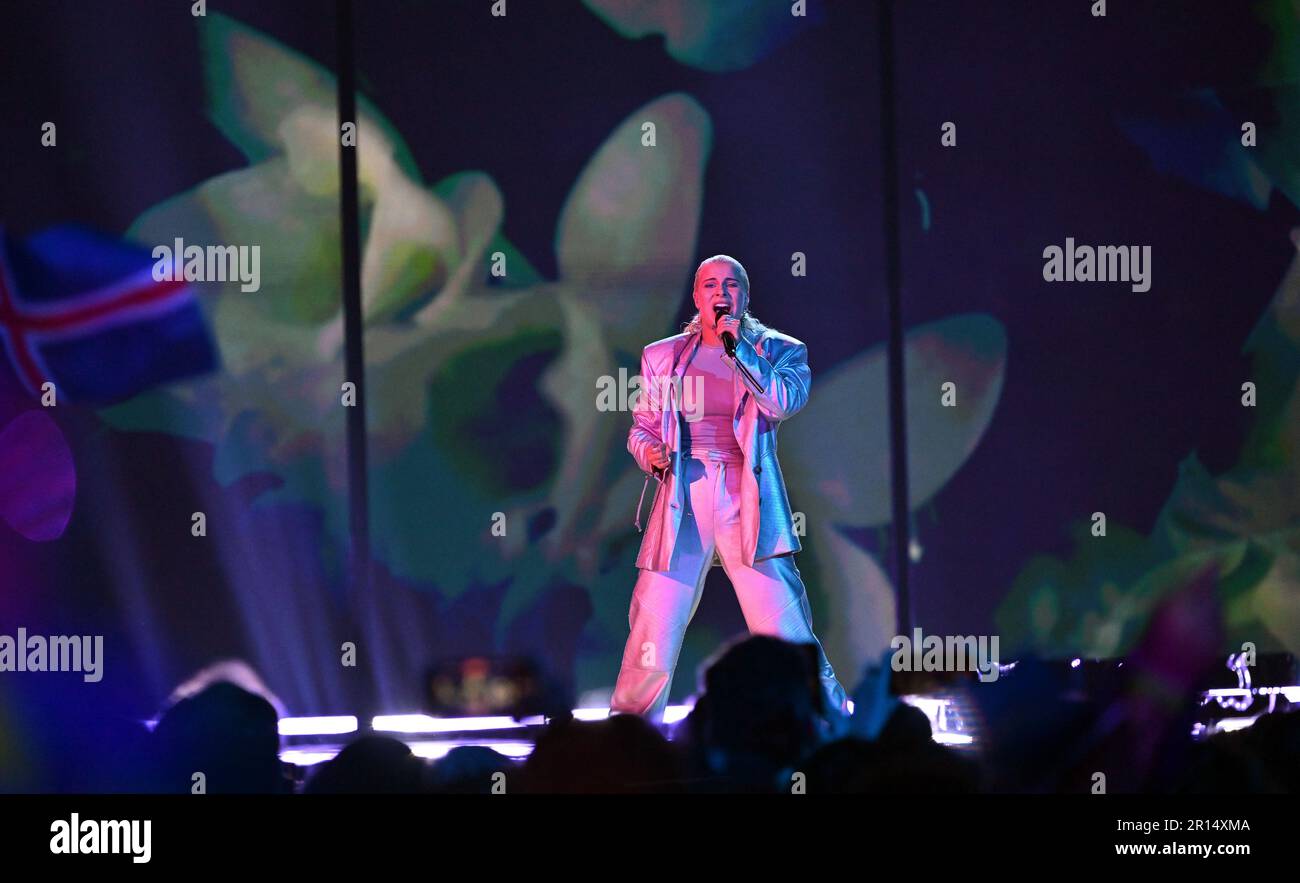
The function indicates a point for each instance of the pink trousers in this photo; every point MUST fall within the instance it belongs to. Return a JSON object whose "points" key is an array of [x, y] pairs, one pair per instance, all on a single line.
{"points": [[771, 593]]}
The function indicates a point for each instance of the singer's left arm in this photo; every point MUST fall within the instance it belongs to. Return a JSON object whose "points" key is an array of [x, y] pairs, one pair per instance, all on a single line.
{"points": [[781, 385]]}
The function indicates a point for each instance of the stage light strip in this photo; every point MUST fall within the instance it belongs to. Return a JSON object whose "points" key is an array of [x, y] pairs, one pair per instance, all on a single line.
{"points": [[318, 726], [437, 750], [416, 724], [428, 750], [591, 714], [305, 757], [1292, 692], [676, 713], [1233, 724], [423, 723]]}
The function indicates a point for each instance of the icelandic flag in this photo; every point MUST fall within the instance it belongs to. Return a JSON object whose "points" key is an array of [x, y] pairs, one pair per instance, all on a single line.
{"points": [[84, 311]]}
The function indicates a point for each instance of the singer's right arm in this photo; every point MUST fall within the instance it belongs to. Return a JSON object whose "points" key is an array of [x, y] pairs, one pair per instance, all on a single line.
{"points": [[644, 436]]}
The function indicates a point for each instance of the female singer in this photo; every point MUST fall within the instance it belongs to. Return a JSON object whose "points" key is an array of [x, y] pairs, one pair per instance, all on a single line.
{"points": [[720, 495]]}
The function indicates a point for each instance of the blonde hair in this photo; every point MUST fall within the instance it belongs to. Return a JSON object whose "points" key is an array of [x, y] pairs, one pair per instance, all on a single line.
{"points": [[740, 270], [747, 320]]}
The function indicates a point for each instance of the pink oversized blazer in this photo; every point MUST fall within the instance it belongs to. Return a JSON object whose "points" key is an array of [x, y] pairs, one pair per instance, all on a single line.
{"points": [[770, 384]]}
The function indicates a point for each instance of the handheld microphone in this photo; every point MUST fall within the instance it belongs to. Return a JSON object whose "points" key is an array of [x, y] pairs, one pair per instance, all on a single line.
{"points": [[728, 339]]}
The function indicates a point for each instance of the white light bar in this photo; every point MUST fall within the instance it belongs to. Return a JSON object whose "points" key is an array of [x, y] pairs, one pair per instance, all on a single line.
{"points": [[428, 750], [676, 713], [591, 714], [1232, 724], [318, 726], [423, 723], [440, 749], [307, 757]]}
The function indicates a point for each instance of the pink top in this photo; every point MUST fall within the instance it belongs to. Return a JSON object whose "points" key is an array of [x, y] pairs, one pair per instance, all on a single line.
{"points": [[707, 405]]}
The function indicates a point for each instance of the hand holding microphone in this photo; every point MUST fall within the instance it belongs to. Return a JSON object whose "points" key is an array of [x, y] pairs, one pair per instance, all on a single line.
{"points": [[728, 327], [659, 457]]}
